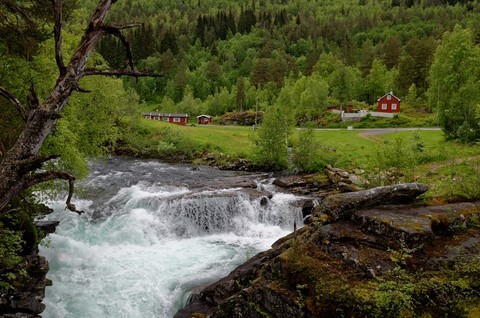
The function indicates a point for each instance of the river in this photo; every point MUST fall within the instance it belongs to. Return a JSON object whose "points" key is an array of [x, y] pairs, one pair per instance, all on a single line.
{"points": [[153, 231]]}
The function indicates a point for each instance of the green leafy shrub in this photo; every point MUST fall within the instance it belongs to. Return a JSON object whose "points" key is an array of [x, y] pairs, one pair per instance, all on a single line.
{"points": [[395, 160], [10, 247], [174, 143], [308, 154], [271, 141]]}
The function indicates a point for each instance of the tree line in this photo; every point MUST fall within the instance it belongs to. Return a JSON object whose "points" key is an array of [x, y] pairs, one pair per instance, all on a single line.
{"points": [[205, 49]]}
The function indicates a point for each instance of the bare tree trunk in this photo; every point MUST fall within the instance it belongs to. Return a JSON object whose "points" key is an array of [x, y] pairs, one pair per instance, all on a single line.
{"points": [[19, 165]]}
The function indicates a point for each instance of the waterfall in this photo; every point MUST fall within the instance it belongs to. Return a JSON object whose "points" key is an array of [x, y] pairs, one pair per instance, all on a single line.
{"points": [[148, 237]]}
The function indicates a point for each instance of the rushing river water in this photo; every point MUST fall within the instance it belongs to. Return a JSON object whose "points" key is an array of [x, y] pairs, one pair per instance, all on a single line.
{"points": [[150, 233]]}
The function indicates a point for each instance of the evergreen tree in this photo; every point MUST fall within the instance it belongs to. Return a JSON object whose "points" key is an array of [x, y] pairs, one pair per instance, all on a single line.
{"points": [[169, 42], [200, 29]]}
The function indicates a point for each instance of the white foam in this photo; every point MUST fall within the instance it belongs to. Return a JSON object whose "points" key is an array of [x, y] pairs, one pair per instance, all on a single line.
{"points": [[135, 262]]}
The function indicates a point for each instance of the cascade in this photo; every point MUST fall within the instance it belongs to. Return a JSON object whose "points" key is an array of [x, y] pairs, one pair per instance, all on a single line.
{"points": [[148, 237]]}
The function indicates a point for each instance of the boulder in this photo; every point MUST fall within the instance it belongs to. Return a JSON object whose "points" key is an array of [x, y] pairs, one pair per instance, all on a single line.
{"points": [[346, 187], [290, 181], [306, 204], [342, 205], [303, 184], [47, 226]]}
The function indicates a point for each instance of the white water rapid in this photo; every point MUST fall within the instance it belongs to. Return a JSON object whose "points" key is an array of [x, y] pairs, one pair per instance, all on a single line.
{"points": [[150, 233]]}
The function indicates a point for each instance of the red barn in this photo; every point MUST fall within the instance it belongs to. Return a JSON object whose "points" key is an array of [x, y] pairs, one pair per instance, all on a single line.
{"points": [[179, 119], [389, 103], [204, 119]]}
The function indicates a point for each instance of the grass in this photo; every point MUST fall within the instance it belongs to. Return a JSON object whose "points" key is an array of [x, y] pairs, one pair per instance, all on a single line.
{"points": [[231, 140], [351, 149], [434, 161]]}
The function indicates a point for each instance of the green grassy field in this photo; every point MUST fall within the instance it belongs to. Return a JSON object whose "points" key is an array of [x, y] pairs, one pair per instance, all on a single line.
{"points": [[351, 149], [235, 141], [451, 168]]}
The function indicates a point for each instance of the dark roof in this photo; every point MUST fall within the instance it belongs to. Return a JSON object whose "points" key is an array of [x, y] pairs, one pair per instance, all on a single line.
{"points": [[165, 115], [389, 93]]}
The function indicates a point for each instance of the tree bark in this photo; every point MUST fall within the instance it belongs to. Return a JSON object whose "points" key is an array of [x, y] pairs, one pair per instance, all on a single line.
{"points": [[17, 168]]}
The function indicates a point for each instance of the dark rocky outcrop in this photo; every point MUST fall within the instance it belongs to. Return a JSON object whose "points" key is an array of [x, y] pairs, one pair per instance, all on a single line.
{"points": [[24, 299], [47, 226], [332, 269]]}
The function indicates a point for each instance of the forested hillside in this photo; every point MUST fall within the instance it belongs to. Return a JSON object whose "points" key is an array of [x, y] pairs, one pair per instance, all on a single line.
{"points": [[219, 56]]}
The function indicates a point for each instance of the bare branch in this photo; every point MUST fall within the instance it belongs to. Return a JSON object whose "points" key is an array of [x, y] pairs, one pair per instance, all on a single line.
{"points": [[116, 32], [113, 72], [15, 102], [82, 90], [57, 30], [35, 162], [54, 175], [124, 26], [32, 98], [2, 148]]}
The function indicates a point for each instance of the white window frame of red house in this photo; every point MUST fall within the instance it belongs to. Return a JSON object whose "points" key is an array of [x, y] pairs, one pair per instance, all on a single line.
{"points": [[176, 119], [394, 106], [384, 106], [165, 118], [389, 97]]}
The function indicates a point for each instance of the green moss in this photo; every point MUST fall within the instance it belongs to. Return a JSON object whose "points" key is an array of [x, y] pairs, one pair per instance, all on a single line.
{"points": [[258, 310], [473, 309], [324, 287]]}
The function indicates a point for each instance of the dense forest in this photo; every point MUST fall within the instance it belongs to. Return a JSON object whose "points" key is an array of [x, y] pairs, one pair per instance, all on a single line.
{"points": [[220, 56]]}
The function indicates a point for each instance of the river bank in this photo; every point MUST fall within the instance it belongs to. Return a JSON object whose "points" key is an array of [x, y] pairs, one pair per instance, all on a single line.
{"points": [[374, 251]]}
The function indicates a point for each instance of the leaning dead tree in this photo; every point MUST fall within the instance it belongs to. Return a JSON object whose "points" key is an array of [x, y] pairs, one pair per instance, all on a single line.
{"points": [[20, 167]]}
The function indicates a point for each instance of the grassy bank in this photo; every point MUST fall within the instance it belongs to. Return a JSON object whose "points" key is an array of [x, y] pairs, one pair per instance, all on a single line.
{"points": [[234, 141], [451, 168]]}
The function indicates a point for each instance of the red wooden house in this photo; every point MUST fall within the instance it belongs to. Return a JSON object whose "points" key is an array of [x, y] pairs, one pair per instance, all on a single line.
{"points": [[389, 103], [204, 119], [179, 119]]}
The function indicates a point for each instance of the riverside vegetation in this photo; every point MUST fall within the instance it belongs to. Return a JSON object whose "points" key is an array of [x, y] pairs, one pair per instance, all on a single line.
{"points": [[292, 59]]}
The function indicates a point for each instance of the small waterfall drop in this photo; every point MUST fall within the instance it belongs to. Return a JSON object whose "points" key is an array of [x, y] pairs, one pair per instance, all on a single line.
{"points": [[148, 237]]}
